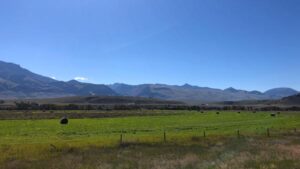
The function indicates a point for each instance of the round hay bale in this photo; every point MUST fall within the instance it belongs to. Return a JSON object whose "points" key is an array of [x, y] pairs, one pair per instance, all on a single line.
{"points": [[64, 121]]}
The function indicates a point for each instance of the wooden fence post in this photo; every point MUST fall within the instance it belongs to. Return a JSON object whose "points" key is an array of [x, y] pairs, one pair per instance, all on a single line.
{"points": [[238, 133], [165, 137], [268, 132], [295, 130], [121, 139], [204, 134]]}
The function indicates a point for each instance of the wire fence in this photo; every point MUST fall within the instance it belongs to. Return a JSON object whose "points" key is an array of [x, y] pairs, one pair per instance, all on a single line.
{"points": [[191, 134]]}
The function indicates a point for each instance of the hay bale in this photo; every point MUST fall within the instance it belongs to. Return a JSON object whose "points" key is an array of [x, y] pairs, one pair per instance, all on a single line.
{"points": [[64, 121]]}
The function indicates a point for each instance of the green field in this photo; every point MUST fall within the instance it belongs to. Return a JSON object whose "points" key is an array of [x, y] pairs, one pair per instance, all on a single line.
{"points": [[180, 125], [42, 139]]}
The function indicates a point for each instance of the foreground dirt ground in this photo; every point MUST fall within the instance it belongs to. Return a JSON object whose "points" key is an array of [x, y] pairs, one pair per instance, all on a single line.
{"points": [[215, 153]]}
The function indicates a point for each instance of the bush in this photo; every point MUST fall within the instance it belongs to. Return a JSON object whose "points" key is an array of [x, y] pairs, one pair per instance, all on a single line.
{"points": [[27, 106]]}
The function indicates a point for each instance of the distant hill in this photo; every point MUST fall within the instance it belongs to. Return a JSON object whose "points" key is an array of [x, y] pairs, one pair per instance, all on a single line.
{"points": [[286, 101], [19, 83], [291, 100], [280, 92], [102, 100]]}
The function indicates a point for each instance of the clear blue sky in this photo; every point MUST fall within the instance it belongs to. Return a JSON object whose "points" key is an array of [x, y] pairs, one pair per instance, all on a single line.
{"points": [[246, 44]]}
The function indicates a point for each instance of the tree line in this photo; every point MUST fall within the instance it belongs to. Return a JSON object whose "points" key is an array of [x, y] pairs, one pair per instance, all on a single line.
{"points": [[35, 106]]}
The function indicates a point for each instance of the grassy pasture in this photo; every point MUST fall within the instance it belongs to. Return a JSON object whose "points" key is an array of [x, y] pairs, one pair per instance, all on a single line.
{"points": [[45, 139], [176, 126]]}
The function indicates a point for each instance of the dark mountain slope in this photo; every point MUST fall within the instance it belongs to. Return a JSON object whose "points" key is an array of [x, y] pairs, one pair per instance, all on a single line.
{"points": [[291, 100], [106, 100]]}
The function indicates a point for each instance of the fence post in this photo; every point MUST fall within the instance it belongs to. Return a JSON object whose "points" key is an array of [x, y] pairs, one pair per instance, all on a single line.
{"points": [[295, 130], [204, 134], [238, 133], [165, 137], [121, 139], [268, 132]]}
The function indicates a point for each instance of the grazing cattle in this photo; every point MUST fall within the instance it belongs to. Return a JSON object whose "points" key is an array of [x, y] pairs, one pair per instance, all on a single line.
{"points": [[273, 115], [218, 113], [64, 121]]}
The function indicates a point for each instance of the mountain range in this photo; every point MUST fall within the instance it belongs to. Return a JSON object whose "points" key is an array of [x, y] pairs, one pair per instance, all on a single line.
{"points": [[19, 83], [195, 94]]}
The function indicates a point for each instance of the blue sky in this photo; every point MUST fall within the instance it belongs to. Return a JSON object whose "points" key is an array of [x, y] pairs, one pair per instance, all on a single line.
{"points": [[246, 44]]}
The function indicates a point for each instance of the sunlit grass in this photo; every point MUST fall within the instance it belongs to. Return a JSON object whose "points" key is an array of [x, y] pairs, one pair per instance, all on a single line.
{"points": [[185, 124], [43, 140]]}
